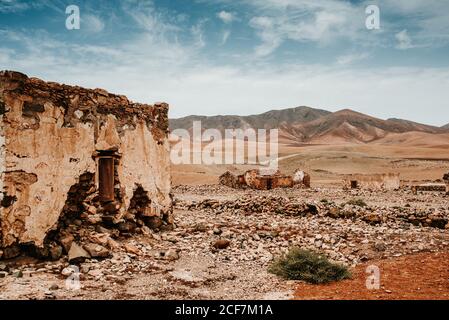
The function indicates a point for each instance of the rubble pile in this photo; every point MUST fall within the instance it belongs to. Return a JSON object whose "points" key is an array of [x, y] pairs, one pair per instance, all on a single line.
{"points": [[251, 204], [248, 204], [224, 254]]}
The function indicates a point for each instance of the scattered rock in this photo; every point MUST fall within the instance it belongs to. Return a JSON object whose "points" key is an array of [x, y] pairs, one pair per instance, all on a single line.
{"points": [[54, 287], [17, 274], [171, 255], [77, 254], [131, 249], [55, 252], [66, 241], [221, 244], [96, 250]]}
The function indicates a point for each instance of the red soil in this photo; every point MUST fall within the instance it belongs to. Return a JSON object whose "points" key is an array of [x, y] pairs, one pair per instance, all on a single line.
{"points": [[423, 276]]}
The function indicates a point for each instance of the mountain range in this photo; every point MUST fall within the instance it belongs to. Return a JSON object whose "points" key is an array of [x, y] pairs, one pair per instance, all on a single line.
{"points": [[316, 126]]}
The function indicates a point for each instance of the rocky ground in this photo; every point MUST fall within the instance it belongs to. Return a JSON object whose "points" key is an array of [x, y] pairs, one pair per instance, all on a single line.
{"points": [[225, 239]]}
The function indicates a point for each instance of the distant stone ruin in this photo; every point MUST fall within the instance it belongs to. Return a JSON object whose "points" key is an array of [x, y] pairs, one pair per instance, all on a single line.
{"points": [[387, 181], [430, 187], [72, 156], [446, 181], [265, 179], [433, 187]]}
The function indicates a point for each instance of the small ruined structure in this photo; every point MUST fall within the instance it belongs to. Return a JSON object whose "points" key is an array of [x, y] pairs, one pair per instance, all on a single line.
{"points": [[301, 178], [446, 181], [430, 187], [72, 154], [433, 187], [387, 181], [264, 179]]}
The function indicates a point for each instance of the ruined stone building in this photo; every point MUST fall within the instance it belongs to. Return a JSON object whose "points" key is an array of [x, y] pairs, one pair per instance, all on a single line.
{"points": [[387, 181], [265, 179], [69, 153]]}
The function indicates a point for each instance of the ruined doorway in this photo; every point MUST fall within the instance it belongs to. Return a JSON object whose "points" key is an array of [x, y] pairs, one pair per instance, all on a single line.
{"points": [[269, 184], [354, 184], [106, 176]]}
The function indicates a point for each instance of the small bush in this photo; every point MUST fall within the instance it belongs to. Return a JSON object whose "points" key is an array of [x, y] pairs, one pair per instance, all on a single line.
{"points": [[308, 266], [357, 202]]}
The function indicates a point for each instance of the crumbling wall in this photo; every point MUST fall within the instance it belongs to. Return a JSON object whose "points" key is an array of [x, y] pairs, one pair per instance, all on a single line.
{"points": [[301, 178], [446, 181], [263, 180], [233, 181], [51, 134], [387, 181]]}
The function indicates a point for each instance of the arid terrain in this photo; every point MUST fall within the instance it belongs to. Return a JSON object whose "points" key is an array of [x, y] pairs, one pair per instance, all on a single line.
{"points": [[225, 239], [220, 252]]}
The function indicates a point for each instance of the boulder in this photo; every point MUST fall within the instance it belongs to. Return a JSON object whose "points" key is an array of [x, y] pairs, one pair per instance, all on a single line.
{"points": [[77, 254]]}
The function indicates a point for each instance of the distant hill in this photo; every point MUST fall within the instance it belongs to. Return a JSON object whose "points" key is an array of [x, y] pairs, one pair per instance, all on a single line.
{"points": [[308, 125], [268, 120], [446, 126]]}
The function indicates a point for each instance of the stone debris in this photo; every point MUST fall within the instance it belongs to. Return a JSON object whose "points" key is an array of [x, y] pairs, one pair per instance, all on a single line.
{"points": [[291, 206], [187, 262], [77, 254], [221, 244]]}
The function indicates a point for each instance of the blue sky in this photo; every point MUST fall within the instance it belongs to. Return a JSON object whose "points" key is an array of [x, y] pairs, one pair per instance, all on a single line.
{"points": [[243, 56]]}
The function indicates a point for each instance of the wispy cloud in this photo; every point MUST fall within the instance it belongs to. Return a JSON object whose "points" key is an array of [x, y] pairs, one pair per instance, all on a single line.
{"points": [[157, 54], [351, 58], [92, 23], [225, 37], [13, 5], [303, 21], [226, 17]]}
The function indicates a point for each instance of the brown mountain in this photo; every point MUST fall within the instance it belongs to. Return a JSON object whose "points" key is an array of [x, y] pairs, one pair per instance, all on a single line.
{"points": [[446, 127], [308, 125], [268, 120]]}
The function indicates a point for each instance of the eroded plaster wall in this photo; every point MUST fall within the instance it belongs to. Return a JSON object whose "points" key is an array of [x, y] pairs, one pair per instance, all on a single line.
{"points": [[53, 133]]}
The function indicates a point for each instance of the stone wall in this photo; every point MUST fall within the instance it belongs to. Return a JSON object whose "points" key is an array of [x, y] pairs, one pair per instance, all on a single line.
{"points": [[52, 136], [387, 181]]}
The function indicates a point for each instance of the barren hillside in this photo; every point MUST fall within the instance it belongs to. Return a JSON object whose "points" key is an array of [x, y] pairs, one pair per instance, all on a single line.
{"points": [[315, 126]]}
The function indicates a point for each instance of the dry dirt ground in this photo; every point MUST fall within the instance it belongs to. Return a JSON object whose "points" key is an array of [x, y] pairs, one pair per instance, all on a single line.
{"points": [[328, 163], [184, 264], [421, 276]]}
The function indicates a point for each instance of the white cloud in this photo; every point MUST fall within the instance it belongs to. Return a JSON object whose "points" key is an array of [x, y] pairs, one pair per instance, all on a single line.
{"points": [[151, 66], [13, 6], [225, 37], [198, 34], [226, 17], [351, 58], [404, 41], [171, 73], [303, 21], [92, 23]]}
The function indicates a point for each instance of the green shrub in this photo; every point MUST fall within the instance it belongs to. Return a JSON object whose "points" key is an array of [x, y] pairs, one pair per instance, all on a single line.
{"points": [[357, 202], [308, 266]]}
